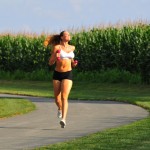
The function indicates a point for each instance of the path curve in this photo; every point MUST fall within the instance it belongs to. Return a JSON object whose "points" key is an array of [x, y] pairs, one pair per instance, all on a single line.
{"points": [[41, 127]]}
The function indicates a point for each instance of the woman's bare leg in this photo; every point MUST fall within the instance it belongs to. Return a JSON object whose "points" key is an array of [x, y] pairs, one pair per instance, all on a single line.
{"points": [[57, 93], [66, 86]]}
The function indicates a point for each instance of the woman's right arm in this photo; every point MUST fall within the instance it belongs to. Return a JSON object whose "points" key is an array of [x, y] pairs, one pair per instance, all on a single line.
{"points": [[53, 56]]}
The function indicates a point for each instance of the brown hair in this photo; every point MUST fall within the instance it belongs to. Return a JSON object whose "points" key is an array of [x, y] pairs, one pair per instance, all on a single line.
{"points": [[53, 39]]}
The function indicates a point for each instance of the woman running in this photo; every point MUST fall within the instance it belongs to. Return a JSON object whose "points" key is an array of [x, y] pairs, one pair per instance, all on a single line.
{"points": [[63, 55]]}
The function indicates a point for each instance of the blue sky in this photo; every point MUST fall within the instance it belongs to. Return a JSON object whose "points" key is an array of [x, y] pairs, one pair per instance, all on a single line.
{"points": [[57, 15]]}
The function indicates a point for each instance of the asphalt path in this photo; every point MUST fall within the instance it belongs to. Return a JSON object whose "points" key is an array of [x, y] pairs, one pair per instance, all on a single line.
{"points": [[41, 127]]}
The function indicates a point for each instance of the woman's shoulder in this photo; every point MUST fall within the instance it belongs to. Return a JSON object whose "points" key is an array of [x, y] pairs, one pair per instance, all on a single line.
{"points": [[72, 47], [56, 47]]}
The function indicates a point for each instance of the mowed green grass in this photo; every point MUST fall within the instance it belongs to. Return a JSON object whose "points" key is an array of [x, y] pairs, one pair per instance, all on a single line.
{"points": [[15, 106], [33, 88], [135, 136]]}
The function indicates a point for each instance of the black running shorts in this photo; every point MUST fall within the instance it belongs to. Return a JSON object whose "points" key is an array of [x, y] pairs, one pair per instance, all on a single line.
{"points": [[62, 75]]}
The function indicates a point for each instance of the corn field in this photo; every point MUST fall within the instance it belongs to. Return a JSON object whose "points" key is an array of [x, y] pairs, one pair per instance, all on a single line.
{"points": [[125, 48], [22, 52]]}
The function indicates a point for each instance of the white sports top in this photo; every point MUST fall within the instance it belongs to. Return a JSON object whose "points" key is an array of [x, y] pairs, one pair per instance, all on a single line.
{"points": [[65, 55]]}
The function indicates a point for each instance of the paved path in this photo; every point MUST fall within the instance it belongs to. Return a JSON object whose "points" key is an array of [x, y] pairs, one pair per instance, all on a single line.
{"points": [[41, 127]]}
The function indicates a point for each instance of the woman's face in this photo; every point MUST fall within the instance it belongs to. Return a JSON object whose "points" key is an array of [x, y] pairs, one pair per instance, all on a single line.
{"points": [[66, 36]]}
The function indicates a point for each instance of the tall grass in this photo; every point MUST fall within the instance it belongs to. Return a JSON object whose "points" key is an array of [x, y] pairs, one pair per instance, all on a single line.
{"points": [[108, 76]]}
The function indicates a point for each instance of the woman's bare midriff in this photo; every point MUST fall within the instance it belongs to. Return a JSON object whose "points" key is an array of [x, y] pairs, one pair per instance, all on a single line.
{"points": [[63, 65]]}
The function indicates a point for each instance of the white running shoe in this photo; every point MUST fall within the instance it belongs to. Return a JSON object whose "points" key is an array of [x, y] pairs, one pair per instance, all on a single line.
{"points": [[59, 114], [63, 123]]}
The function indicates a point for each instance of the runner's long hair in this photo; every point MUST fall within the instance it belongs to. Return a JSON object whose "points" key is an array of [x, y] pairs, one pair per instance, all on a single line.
{"points": [[53, 39]]}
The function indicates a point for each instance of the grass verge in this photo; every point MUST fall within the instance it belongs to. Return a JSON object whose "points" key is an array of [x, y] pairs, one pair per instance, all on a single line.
{"points": [[14, 106], [135, 136], [129, 137]]}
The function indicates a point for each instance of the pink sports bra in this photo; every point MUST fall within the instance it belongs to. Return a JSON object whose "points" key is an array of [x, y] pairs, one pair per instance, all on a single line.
{"points": [[65, 55]]}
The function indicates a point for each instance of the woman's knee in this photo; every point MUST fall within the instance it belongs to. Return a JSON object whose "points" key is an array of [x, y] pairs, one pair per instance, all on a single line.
{"points": [[64, 98], [58, 100]]}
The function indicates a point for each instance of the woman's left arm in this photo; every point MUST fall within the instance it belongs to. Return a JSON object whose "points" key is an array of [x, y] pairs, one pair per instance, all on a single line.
{"points": [[74, 62]]}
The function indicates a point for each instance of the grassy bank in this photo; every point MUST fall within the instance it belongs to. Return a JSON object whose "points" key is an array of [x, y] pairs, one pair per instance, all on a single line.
{"points": [[14, 106]]}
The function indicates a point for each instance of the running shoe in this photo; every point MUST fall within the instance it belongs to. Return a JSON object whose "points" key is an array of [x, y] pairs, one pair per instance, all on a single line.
{"points": [[59, 114], [63, 123]]}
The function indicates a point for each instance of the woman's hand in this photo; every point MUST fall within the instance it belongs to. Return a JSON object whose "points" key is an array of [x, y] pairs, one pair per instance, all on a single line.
{"points": [[74, 63]]}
